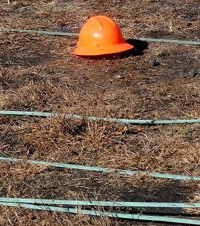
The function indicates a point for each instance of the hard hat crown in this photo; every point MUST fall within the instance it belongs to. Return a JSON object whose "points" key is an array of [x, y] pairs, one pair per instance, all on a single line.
{"points": [[100, 30], [100, 35]]}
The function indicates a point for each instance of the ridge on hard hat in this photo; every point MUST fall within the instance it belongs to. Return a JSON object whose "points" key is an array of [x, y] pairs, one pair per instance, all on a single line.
{"points": [[100, 35]]}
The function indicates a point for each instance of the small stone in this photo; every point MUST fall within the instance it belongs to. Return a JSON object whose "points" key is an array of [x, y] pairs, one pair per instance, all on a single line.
{"points": [[62, 24], [164, 54], [192, 73], [189, 24], [119, 76], [156, 63]]}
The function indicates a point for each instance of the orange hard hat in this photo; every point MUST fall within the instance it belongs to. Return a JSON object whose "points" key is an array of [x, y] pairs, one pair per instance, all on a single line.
{"points": [[100, 35]]}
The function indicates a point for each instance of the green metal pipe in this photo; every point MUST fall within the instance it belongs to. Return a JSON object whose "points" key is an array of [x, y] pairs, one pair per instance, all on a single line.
{"points": [[104, 170], [100, 203], [94, 118], [40, 32], [107, 214]]}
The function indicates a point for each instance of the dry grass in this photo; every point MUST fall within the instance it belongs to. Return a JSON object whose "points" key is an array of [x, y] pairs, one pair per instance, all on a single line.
{"points": [[38, 73]]}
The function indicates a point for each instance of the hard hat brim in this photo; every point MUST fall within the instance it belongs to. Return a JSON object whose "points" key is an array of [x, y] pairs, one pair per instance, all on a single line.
{"points": [[103, 50]]}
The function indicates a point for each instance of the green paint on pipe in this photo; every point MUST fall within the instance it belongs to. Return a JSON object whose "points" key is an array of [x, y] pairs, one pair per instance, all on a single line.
{"points": [[99, 203], [113, 120], [106, 214], [55, 33], [103, 169]]}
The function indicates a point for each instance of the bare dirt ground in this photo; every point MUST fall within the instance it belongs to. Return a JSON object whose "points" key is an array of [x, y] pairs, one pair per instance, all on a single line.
{"points": [[39, 73]]}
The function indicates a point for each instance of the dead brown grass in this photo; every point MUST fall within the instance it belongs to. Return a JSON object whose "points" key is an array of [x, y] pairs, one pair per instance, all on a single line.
{"points": [[38, 73]]}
